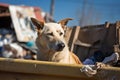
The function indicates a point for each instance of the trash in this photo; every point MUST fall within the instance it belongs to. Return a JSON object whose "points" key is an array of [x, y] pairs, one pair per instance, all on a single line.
{"points": [[89, 70]]}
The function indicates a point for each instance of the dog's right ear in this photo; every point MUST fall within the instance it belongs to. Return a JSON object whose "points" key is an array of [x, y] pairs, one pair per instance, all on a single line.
{"points": [[39, 25], [64, 22]]}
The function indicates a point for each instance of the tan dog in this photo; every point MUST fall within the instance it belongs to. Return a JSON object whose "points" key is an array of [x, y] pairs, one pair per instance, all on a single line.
{"points": [[51, 43]]}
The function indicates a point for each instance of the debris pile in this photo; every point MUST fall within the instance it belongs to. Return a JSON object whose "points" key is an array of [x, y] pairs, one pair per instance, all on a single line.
{"points": [[17, 34]]}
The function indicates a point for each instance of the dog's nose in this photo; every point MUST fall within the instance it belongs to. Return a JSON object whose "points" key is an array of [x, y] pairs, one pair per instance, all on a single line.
{"points": [[61, 46]]}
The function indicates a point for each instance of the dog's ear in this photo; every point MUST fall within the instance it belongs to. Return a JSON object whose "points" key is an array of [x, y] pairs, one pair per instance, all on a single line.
{"points": [[39, 25], [64, 22]]}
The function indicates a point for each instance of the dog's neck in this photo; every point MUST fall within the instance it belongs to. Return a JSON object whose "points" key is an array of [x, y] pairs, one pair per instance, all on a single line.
{"points": [[42, 51]]}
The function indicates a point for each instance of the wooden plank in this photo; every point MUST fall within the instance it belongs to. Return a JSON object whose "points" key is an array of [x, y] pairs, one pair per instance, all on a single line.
{"points": [[5, 15], [45, 69], [73, 37], [23, 76], [17, 69], [118, 32]]}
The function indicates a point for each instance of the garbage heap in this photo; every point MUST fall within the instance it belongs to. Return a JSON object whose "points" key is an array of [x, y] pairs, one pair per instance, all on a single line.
{"points": [[17, 33]]}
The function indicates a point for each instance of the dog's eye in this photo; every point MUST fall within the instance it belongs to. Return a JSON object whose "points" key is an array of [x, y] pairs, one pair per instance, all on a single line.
{"points": [[50, 34], [61, 33]]}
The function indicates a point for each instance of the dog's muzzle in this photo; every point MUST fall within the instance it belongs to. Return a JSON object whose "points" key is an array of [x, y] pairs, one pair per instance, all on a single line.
{"points": [[60, 46]]}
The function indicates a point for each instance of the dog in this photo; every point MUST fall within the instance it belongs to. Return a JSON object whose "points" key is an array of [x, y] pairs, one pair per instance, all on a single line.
{"points": [[51, 43]]}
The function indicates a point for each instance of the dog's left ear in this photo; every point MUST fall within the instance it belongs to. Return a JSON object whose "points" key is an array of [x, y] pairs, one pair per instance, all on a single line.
{"points": [[39, 25], [64, 22]]}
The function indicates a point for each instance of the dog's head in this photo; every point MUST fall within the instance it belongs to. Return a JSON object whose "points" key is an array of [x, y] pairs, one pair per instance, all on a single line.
{"points": [[51, 35]]}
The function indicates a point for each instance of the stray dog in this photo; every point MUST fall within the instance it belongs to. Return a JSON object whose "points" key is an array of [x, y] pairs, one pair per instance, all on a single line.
{"points": [[51, 43]]}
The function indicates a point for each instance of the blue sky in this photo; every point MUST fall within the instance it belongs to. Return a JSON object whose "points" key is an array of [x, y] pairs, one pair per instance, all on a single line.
{"points": [[84, 12]]}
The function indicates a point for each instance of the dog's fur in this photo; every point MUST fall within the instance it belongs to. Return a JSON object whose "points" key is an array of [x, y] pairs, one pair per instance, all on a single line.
{"points": [[51, 43]]}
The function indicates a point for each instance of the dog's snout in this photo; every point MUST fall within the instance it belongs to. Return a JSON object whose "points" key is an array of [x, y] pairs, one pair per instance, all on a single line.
{"points": [[61, 46]]}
